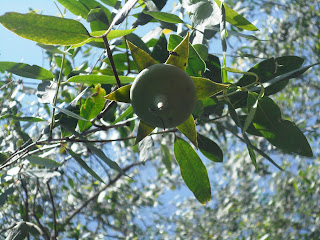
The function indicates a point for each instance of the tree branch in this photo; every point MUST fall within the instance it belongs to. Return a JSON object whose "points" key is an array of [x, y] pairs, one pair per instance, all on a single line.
{"points": [[94, 196], [55, 233]]}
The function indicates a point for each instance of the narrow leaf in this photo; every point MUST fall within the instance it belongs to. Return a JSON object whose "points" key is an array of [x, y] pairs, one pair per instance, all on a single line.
{"points": [[236, 119], [209, 148], [121, 94], [125, 114], [92, 107], [84, 165], [24, 119], [166, 17], [166, 158], [193, 171], [69, 113], [188, 128], [46, 162], [141, 58], [26, 70], [112, 35], [180, 54], [207, 88], [236, 19], [143, 131], [103, 79], [45, 29], [53, 49], [96, 151]]}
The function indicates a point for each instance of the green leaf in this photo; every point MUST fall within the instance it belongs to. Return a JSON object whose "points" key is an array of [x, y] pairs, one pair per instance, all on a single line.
{"points": [[236, 19], [188, 128], [20, 231], [97, 19], [180, 55], [96, 151], [121, 94], [236, 119], [281, 133], [143, 131], [159, 51], [25, 70], [92, 107], [75, 7], [193, 171], [53, 49], [166, 158], [125, 114], [207, 88], [166, 17], [195, 65], [202, 50], [45, 29], [141, 58], [112, 35], [102, 79], [84, 165], [46, 162], [209, 148], [5, 194], [69, 113], [24, 119]]}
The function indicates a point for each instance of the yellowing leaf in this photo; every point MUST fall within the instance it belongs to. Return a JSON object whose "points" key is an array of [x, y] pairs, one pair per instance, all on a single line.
{"points": [[141, 58], [179, 56], [121, 94], [207, 88]]}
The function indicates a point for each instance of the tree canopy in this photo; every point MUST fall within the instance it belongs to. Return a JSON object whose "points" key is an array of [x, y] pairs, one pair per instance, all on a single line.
{"points": [[79, 161]]}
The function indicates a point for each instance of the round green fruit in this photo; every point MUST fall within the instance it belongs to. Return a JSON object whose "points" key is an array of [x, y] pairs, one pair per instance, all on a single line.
{"points": [[163, 95]]}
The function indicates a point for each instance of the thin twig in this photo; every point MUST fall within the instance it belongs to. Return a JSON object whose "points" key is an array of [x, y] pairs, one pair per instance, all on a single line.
{"points": [[55, 233], [56, 96], [44, 232], [94, 196], [114, 69], [26, 203]]}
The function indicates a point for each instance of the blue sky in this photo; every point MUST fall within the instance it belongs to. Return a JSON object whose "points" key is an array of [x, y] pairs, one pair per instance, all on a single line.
{"points": [[14, 48]]}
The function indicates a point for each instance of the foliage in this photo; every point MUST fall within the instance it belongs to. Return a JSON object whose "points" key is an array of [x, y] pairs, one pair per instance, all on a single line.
{"points": [[79, 164]]}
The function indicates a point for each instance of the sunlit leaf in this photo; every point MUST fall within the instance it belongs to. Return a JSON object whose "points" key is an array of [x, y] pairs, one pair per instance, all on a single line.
{"points": [[102, 79], [195, 65], [121, 94], [26, 70], [193, 171], [46, 91], [166, 17], [141, 58], [207, 88], [236, 19], [112, 35], [45, 29], [24, 119], [180, 54], [92, 107]]}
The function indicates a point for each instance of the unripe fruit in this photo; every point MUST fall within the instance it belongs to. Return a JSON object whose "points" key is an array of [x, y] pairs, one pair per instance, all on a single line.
{"points": [[163, 95]]}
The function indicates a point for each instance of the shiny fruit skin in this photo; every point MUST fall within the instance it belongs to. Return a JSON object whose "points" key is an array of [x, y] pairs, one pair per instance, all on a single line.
{"points": [[163, 95]]}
